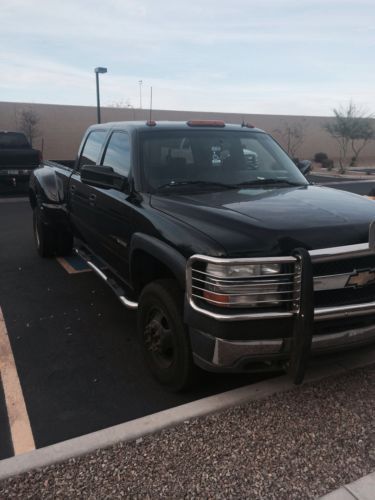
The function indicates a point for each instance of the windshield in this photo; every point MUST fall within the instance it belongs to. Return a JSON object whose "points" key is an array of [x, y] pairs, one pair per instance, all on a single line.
{"points": [[214, 159]]}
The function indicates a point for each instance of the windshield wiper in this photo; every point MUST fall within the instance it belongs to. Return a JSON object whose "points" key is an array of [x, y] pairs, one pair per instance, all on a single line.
{"points": [[263, 182], [172, 184]]}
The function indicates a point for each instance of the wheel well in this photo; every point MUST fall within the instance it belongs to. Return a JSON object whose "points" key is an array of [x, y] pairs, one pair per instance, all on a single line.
{"points": [[145, 268]]}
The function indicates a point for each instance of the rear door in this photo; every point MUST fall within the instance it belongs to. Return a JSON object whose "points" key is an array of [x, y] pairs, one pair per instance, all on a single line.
{"points": [[82, 197]]}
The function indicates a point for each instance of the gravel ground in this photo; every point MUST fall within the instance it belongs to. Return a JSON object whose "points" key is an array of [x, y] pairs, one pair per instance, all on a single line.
{"points": [[296, 445]]}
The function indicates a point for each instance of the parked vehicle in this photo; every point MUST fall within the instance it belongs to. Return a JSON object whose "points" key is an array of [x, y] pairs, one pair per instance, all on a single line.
{"points": [[230, 268], [17, 158]]}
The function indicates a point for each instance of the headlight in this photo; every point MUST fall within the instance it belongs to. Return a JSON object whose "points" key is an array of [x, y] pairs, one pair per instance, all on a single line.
{"points": [[248, 285], [244, 271]]}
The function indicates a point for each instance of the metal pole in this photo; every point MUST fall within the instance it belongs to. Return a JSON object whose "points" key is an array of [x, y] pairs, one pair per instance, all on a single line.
{"points": [[140, 94], [97, 97]]}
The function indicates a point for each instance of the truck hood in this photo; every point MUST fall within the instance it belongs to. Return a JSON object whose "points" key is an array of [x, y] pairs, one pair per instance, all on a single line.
{"points": [[273, 221]]}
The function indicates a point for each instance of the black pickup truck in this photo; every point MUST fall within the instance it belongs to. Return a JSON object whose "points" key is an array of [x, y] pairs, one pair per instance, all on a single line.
{"points": [[17, 158], [232, 259]]}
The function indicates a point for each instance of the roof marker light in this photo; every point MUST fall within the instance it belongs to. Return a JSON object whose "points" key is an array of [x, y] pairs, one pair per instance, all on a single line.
{"points": [[205, 123]]}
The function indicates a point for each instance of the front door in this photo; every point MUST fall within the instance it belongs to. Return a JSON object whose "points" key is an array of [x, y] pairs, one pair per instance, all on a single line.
{"points": [[113, 207]]}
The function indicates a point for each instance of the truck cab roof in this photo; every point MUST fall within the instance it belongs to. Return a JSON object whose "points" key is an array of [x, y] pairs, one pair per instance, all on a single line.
{"points": [[176, 125]]}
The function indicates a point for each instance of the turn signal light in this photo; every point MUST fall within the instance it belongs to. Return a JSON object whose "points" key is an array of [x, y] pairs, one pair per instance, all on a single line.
{"points": [[219, 299]]}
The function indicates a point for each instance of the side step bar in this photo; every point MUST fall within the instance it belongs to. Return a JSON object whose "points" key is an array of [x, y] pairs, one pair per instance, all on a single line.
{"points": [[110, 282]]}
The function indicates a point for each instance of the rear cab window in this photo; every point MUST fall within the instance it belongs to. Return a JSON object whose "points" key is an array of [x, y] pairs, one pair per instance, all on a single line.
{"points": [[9, 140]]}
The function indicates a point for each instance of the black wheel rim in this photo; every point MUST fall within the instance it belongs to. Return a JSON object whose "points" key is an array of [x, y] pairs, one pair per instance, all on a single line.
{"points": [[158, 338]]}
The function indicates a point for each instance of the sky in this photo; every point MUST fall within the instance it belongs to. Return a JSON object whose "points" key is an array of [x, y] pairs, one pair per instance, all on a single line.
{"points": [[293, 57]]}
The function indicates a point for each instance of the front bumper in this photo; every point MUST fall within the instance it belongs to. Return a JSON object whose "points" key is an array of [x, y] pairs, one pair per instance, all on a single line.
{"points": [[223, 355], [12, 174]]}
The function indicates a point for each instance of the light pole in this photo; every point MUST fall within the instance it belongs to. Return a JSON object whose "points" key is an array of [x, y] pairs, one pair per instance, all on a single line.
{"points": [[97, 71], [140, 94]]}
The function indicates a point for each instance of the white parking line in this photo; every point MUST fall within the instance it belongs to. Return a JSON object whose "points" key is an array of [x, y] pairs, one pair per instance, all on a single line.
{"points": [[22, 436]]}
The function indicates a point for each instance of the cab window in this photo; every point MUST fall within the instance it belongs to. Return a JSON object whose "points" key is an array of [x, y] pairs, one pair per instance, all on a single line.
{"points": [[92, 148], [117, 154]]}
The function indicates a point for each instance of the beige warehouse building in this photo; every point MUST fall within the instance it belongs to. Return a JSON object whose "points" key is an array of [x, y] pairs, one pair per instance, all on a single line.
{"points": [[60, 127]]}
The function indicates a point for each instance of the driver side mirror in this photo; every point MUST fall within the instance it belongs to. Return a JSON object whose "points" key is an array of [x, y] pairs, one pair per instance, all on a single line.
{"points": [[304, 166], [103, 177]]}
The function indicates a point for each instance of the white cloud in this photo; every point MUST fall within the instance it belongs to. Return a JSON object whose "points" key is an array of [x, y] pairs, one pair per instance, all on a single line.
{"points": [[212, 55]]}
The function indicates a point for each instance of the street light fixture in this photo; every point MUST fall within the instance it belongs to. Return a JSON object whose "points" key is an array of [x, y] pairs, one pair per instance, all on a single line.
{"points": [[97, 71]]}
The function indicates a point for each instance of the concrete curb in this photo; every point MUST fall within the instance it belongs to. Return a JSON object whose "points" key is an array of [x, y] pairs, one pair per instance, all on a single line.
{"points": [[362, 489], [129, 431]]}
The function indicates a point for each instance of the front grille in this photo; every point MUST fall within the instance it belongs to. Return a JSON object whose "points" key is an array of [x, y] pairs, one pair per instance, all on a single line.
{"points": [[345, 296], [343, 266]]}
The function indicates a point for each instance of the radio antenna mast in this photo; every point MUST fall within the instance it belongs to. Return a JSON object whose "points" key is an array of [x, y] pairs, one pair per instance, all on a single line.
{"points": [[150, 104]]}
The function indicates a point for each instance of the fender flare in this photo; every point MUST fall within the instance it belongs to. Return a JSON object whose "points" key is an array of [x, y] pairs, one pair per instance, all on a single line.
{"points": [[160, 250], [44, 194], [45, 186]]}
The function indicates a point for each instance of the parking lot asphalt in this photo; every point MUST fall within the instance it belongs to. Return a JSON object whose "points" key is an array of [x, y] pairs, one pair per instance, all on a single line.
{"points": [[75, 346]]}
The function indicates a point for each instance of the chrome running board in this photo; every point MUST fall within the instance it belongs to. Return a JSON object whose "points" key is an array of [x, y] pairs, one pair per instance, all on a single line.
{"points": [[109, 281]]}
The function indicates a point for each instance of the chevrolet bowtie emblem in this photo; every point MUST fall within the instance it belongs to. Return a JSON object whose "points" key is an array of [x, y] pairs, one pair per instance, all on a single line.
{"points": [[361, 278]]}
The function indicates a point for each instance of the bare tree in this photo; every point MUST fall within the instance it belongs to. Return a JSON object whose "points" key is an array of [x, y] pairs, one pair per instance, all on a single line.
{"points": [[351, 128], [29, 124], [123, 105], [362, 133], [291, 136]]}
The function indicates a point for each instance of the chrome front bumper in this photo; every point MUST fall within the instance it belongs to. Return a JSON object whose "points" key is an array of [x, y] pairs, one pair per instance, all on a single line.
{"points": [[228, 353]]}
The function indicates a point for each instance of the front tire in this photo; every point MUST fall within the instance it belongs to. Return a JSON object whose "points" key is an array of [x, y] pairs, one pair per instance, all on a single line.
{"points": [[164, 337]]}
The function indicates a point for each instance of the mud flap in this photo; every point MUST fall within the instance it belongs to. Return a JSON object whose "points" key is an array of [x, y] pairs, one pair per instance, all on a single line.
{"points": [[304, 322]]}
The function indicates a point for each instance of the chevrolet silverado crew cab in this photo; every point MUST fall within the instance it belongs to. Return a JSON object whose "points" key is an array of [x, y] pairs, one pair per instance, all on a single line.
{"points": [[233, 264]]}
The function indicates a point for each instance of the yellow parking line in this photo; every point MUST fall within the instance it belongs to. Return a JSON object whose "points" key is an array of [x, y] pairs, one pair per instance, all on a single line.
{"points": [[22, 436]]}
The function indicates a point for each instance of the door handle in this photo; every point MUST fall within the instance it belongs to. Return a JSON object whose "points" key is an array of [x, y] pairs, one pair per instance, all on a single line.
{"points": [[92, 199], [73, 187]]}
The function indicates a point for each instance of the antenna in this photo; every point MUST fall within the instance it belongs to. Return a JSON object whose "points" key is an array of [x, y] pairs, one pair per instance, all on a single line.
{"points": [[150, 104]]}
